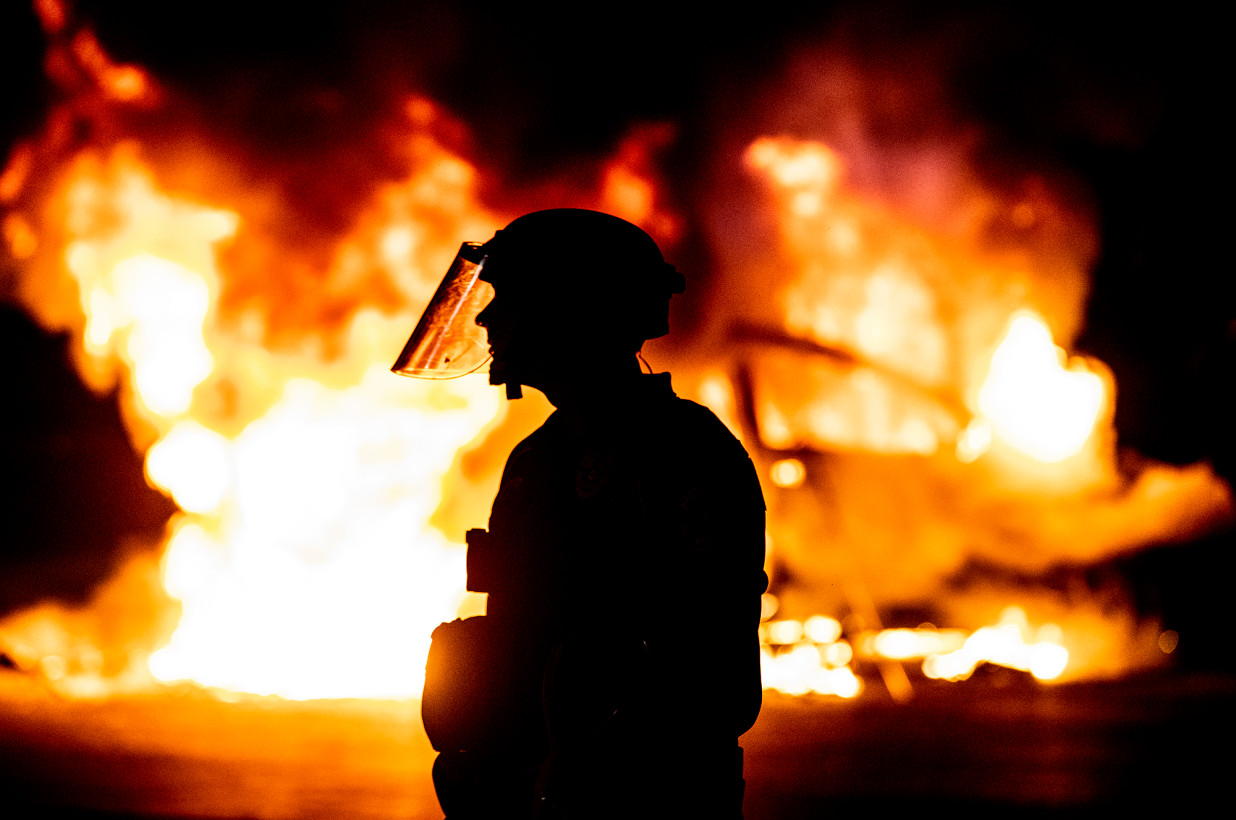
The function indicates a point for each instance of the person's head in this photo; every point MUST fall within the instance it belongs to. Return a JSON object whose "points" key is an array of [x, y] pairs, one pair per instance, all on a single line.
{"points": [[574, 291], [562, 295]]}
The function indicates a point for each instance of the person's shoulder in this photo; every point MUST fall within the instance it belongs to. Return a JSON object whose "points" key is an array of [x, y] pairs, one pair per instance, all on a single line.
{"points": [[550, 432], [698, 417], [696, 449], [688, 425]]}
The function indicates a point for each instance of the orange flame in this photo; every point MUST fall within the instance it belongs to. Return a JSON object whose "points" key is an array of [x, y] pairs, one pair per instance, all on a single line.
{"points": [[903, 340], [302, 558], [307, 475]]}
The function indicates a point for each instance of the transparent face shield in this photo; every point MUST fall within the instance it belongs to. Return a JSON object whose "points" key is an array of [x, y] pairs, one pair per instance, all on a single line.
{"points": [[447, 341]]}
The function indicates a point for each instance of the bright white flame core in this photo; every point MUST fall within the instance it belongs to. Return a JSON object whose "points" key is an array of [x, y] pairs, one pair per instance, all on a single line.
{"points": [[801, 657], [1033, 400], [321, 578], [1004, 645], [303, 556], [193, 464]]}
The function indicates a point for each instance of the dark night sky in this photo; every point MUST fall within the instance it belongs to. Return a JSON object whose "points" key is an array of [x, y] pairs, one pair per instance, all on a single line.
{"points": [[1129, 102]]}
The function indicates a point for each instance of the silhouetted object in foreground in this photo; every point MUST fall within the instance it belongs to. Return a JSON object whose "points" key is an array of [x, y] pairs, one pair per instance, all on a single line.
{"points": [[618, 661]]}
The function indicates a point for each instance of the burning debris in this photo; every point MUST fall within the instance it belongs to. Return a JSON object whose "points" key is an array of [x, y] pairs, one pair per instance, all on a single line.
{"points": [[994, 444], [886, 332]]}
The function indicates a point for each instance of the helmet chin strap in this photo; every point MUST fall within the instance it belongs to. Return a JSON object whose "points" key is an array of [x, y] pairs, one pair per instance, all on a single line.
{"points": [[503, 376]]}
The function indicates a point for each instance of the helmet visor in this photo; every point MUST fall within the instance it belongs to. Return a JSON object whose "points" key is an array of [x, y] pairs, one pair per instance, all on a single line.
{"points": [[447, 341]]}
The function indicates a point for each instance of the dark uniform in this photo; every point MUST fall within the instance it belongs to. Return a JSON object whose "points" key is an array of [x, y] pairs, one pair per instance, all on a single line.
{"points": [[618, 661]]}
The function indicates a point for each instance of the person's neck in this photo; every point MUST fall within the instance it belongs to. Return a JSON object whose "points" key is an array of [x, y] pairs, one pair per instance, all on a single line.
{"points": [[595, 393]]}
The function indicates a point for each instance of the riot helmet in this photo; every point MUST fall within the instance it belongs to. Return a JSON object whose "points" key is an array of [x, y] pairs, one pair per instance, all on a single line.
{"points": [[560, 285]]}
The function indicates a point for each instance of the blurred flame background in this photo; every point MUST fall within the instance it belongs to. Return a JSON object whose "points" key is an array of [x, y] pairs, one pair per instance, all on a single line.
{"points": [[915, 239]]}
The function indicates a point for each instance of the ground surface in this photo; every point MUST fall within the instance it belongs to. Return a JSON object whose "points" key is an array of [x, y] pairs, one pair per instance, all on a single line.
{"points": [[1000, 744]]}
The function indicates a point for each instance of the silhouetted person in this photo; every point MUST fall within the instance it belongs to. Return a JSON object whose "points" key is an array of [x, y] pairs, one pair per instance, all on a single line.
{"points": [[618, 660]]}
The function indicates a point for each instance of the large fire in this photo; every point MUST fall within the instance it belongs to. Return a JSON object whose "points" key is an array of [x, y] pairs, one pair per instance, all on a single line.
{"points": [[988, 391], [306, 558], [302, 558]]}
